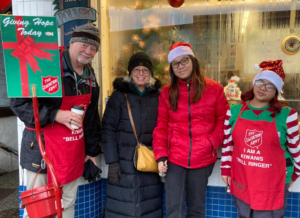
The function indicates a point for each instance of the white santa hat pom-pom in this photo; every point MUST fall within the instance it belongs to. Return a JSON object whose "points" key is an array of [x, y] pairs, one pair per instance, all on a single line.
{"points": [[256, 67]]}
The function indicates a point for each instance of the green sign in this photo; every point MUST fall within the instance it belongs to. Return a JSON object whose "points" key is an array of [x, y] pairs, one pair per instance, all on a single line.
{"points": [[31, 55]]}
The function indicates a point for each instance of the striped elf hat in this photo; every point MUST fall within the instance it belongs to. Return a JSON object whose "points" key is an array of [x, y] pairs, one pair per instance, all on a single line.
{"points": [[271, 71]]}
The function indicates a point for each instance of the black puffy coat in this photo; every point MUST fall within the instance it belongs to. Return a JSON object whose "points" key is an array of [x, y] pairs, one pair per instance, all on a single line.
{"points": [[138, 194]]}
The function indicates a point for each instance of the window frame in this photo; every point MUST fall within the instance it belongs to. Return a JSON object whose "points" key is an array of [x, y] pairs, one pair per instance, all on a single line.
{"points": [[6, 112]]}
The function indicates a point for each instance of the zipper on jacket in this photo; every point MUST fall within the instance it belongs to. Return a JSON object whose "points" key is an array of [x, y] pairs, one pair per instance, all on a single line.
{"points": [[190, 126], [76, 83], [142, 118], [137, 172], [137, 195], [170, 141]]}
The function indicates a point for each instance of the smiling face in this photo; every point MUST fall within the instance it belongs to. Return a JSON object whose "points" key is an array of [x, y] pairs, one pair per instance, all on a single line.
{"points": [[264, 90], [82, 53], [140, 76], [182, 67]]}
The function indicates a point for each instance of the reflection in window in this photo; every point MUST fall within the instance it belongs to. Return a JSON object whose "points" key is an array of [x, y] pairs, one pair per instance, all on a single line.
{"points": [[228, 37]]}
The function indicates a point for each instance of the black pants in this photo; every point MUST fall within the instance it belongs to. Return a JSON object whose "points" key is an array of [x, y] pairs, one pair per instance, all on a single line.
{"points": [[190, 183], [244, 210]]}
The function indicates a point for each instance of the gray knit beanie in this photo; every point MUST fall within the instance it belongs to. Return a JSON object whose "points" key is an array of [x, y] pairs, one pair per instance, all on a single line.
{"points": [[88, 34]]}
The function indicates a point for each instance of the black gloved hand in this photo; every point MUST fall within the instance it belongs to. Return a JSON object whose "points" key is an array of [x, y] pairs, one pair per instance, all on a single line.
{"points": [[163, 159], [91, 171], [114, 173], [94, 172], [86, 171]]}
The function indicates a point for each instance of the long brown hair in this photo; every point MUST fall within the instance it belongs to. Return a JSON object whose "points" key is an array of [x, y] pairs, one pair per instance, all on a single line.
{"points": [[198, 87], [275, 105]]}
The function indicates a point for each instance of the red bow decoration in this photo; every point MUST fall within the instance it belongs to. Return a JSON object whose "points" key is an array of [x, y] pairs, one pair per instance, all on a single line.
{"points": [[25, 50]]}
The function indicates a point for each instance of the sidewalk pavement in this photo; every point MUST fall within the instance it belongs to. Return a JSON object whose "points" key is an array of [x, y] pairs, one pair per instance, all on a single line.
{"points": [[9, 195]]}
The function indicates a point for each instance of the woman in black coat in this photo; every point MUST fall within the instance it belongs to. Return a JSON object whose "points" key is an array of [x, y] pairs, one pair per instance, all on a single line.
{"points": [[131, 193]]}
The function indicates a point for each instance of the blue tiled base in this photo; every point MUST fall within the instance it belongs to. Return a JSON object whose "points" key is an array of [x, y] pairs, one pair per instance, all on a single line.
{"points": [[21, 189], [88, 203], [218, 204]]}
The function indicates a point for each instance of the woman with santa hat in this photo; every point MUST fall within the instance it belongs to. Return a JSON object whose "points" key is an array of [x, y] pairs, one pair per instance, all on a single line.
{"points": [[261, 152], [189, 128]]}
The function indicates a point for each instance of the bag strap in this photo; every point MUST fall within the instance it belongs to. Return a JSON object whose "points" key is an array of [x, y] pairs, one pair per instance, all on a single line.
{"points": [[131, 119]]}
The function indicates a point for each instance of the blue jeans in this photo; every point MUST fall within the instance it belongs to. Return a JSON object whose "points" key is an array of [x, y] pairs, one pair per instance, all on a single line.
{"points": [[190, 183]]}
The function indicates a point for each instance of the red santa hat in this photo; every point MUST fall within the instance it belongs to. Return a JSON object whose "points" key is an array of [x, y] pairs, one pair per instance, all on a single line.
{"points": [[271, 71], [179, 48]]}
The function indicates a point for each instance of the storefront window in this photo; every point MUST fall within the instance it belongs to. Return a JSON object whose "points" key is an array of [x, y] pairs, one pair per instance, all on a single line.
{"points": [[228, 37]]}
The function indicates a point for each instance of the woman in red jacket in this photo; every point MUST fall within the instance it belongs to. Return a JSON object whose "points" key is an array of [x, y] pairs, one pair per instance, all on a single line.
{"points": [[189, 129]]}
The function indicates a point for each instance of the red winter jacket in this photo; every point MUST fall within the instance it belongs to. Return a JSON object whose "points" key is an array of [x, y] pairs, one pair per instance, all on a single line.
{"points": [[189, 136]]}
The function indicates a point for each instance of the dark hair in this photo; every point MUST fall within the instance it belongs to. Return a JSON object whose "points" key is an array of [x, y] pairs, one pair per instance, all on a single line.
{"points": [[199, 84], [275, 105]]}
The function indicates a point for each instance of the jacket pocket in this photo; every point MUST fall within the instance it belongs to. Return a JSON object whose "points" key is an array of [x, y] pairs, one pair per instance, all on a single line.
{"points": [[30, 153], [211, 146], [170, 140], [240, 186], [30, 156]]}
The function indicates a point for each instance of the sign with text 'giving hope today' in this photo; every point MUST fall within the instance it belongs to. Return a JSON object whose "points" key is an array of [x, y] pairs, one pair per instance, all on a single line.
{"points": [[31, 55]]}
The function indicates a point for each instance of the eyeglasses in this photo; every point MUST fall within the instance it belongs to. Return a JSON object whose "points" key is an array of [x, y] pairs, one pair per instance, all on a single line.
{"points": [[137, 71], [260, 84], [93, 48], [183, 61]]}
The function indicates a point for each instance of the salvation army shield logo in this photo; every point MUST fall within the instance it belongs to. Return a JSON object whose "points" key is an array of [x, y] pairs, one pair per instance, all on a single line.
{"points": [[253, 138], [50, 84]]}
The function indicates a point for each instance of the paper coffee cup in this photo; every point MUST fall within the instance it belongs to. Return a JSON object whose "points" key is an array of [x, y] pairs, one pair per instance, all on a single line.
{"points": [[78, 110]]}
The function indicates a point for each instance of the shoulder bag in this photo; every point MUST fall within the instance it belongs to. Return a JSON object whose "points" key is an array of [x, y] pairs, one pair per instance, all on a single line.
{"points": [[143, 158]]}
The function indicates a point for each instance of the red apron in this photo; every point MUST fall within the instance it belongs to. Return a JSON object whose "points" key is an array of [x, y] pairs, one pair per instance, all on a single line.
{"points": [[258, 164], [66, 148]]}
